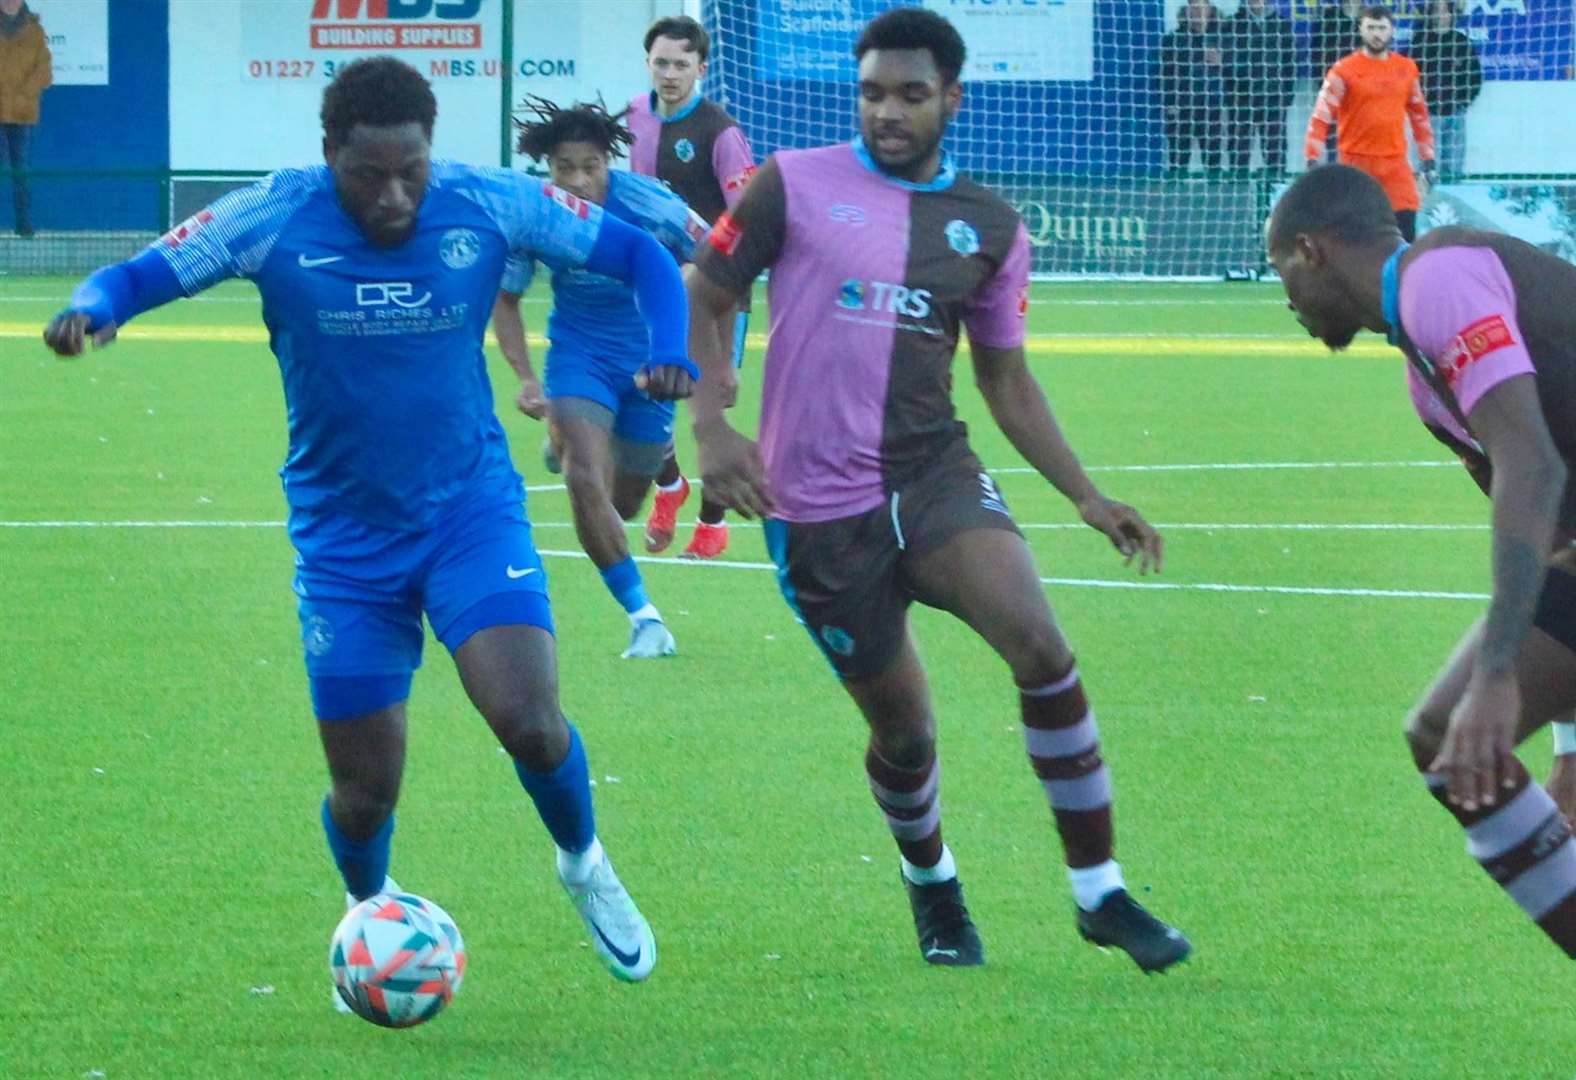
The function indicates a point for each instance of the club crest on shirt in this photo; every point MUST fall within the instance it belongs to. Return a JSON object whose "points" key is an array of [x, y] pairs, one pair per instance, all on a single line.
{"points": [[459, 248], [318, 635], [838, 640], [962, 237], [684, 150]]}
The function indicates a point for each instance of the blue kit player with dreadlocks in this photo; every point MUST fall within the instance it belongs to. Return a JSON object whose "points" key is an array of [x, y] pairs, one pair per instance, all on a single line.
{"points": [[377, 273], [609, 434]]}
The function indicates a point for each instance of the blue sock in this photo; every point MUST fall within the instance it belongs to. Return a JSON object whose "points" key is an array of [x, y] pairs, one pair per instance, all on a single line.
{"points": [[563, 797], [362, 863], [623, 581]]}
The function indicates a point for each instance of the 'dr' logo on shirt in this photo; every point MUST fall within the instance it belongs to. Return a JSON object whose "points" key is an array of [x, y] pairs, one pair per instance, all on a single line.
{"points": [[1472, 344]]}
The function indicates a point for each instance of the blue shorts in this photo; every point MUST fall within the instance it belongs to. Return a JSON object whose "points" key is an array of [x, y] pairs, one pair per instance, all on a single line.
{"points": [[636, 417], [363, 590]]}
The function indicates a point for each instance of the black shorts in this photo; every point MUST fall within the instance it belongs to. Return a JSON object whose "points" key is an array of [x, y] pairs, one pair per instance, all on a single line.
{"points": [[847, 579], [1556, 611]]}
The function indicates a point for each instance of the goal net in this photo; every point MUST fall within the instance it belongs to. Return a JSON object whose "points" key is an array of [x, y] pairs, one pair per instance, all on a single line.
{"points": [[1149, 139]]}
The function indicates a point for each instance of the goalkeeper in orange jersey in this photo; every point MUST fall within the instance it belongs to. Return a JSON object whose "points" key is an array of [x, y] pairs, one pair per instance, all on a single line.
{"points": [[1369, 96]]}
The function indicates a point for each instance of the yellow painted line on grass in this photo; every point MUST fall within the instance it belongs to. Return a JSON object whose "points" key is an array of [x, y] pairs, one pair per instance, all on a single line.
{"points": [[1037, 344]]}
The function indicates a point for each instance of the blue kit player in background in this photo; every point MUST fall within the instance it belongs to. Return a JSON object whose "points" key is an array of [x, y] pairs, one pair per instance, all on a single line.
{"points": [[609, 435], [377, 273]]}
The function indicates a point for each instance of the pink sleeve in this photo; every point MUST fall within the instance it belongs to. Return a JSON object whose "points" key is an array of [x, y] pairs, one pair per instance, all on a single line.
{"points": [[995, 313], [732, 164], [645, 126], [1430, 410], [1459, 308]]}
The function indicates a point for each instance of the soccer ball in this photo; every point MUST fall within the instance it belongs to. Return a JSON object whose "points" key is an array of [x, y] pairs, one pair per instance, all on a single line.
{"points": [[397, 959]]}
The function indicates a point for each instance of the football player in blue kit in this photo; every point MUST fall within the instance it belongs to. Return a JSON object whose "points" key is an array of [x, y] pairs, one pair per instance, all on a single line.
{"points": [[377, 273], [610, 436]]}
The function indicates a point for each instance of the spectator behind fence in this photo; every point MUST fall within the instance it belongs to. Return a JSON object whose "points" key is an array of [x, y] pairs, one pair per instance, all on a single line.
{"points": [[26, 68], [1372, 95], [1452, 79], [1261, 72], [1191, 88]]}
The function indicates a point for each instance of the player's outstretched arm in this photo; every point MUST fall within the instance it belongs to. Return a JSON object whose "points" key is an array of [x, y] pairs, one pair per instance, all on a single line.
{"points": [[1018, 405], [632, 255], [1529, 480], [730, 464], [107, 299]]}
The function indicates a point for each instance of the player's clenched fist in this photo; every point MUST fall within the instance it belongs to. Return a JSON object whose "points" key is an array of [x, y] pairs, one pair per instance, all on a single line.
{"points": [[665, 382], [67, 333]]}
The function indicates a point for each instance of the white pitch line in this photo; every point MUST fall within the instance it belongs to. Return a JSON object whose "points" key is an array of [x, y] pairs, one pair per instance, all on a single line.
{"points": [[64, 524], [1219, 466], [1253, 466], [1070, 527], [1173, 526], [1103, 583], [1151, 301], [1061, 526], [254, 300], [729, 564]]}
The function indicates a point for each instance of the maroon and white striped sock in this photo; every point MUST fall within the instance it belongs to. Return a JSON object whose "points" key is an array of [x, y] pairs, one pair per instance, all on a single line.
{"points": [[910, 800], [1063, 742], [1523, 843]]}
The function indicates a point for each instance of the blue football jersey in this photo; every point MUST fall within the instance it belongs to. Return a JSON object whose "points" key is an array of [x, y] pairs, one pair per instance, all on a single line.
{"points": [[389, 406], [594, 315]]}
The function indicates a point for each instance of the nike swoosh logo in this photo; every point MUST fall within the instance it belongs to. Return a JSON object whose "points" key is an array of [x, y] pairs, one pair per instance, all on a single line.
{"points": [[933, 951], [629, 960], [513, 573], [307, 264]]}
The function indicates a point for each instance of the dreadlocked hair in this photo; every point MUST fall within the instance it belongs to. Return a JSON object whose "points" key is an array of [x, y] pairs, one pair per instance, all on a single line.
{"points": [[544, 125]]}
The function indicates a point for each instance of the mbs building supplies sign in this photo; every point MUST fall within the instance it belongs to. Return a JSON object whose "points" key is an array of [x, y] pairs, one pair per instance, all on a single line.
{"points": [[247, 76], [311, 39]]}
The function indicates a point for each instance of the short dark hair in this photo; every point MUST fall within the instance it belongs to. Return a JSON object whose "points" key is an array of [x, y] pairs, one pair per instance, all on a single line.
{"points": [[378, 91], [916, 28], [544, 125], [681, 28], [1376, 11], [1333, 200]]}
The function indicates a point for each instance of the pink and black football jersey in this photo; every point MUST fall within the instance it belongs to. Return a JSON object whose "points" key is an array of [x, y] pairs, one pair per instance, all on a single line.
{"points": [[871, 280], [1472, 309], [700, 152]]}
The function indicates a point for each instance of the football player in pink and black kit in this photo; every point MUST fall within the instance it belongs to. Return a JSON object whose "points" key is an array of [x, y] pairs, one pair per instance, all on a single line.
{"points": [[873, 499], [697, 149], [1488, 324]]}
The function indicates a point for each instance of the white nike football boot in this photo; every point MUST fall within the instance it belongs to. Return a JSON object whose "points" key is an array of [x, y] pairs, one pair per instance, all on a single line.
{"points": [[650, 639], [619, 932]]}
